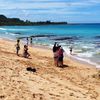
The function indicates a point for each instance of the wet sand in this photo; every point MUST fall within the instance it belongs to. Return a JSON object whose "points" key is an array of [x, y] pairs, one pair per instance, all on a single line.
{"points": [[75, 81]]}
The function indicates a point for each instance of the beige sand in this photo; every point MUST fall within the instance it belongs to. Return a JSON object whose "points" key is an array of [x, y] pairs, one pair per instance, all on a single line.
{"points": [[75, 82]]}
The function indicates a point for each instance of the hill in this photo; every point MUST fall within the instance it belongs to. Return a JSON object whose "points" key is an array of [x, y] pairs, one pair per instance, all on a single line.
{"points": [[16, 21]]}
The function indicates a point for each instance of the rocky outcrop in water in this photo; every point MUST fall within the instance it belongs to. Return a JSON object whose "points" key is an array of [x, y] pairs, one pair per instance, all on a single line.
{"points": [[35, 36], [69, 38], [97, 37]]}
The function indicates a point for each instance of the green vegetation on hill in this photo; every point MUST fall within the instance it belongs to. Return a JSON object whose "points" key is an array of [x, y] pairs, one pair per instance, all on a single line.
{"points": [[16, 21]]}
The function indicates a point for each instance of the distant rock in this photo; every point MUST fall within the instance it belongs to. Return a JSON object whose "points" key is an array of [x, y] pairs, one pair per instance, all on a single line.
{"points": [[97, 37], [70, 38], [34, 36], [21, 37], [17, 33]]}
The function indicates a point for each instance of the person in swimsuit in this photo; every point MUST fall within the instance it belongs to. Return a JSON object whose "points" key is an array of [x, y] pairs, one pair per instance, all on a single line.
{"points": [[60, 56], [17, 47], [55, 52], [25, 53]]}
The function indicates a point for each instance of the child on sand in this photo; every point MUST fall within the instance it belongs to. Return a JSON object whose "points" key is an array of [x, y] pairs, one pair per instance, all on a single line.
{"points": [[25, 53], [17, 47]]}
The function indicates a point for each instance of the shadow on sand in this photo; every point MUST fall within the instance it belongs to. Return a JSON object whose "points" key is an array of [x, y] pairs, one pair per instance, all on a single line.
{"points": [[64, 66], [24, 57]]}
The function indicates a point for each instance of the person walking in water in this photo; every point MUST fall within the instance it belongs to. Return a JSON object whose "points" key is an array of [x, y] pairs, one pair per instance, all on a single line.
{"points": [[17, 47], [27, 40], [55, 52], [31, 40], [71, 48]]}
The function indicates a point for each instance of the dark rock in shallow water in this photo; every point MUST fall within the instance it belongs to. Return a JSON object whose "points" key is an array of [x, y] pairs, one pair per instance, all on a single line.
{"points": [[21, 37], [71, 38], [34, 36], [97, 37], [17, 33]]}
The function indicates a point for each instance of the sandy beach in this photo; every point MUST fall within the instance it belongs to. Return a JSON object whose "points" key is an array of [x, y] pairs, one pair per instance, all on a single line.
{"points": [[75, 81]]}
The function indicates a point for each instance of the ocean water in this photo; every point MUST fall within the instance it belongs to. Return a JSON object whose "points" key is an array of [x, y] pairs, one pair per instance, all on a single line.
{"points": [[84, 38]]}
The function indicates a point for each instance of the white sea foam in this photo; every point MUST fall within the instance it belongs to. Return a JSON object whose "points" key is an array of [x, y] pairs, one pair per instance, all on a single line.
{"points": [[11, 29], [13, 34], [86, 54], [87, 46], [87, 61], [10, 33], [3, 29], [67, 53]]}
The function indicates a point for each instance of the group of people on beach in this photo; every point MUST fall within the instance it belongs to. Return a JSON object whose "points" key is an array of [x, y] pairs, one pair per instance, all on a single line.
{"points": [[57, 51], [25, 50], [58, 55]]}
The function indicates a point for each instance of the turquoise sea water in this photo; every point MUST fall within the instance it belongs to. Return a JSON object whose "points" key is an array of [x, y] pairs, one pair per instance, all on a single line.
{"points": [[85, 38]]}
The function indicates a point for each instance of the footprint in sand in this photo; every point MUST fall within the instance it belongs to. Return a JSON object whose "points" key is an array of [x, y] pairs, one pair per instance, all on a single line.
{"points": [[2, 96], [56, 95], [71, 94], [61, 92], [38, 97]]}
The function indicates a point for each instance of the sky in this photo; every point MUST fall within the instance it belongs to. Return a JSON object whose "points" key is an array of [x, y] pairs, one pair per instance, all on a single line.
{"points": [[72, 11]]}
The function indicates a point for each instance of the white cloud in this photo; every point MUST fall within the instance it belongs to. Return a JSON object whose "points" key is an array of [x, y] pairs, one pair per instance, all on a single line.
{"points": [[25, 4], [32, 5], [94, 1], [29, 8]]}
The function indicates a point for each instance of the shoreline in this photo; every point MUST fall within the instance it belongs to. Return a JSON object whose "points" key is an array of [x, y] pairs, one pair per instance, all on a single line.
{"points": [[72, 57]]}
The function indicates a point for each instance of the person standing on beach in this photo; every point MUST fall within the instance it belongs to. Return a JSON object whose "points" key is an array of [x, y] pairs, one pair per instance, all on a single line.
{"points": [[55, 52], [17, 47], [60, 56]]}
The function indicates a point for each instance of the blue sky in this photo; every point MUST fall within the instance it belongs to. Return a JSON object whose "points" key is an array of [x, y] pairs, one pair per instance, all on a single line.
{"points": [[72, 11]]}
